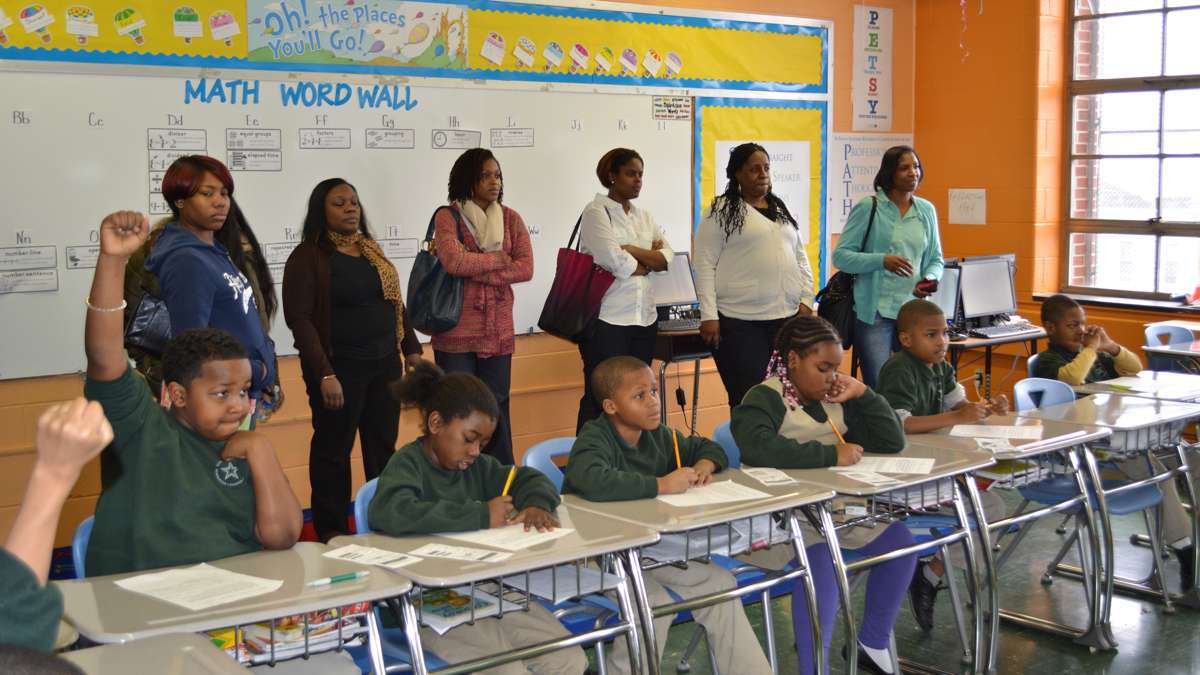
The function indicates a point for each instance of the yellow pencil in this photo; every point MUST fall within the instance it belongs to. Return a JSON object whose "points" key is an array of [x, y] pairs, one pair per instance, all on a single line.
{"points": [[512, 473], [675, 439], [836, 432]]}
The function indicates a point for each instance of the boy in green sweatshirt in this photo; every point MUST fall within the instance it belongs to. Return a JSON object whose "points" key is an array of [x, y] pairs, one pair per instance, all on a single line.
{"points": [[627, 453], [442, 483]]}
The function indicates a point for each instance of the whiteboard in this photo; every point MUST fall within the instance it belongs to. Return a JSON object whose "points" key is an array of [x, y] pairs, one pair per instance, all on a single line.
{"points": [[79, 146]]}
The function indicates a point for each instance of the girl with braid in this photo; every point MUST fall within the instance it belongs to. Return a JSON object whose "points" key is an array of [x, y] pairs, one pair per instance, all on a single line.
{"points": [[788, 421], [342, 300], [752, 272]]}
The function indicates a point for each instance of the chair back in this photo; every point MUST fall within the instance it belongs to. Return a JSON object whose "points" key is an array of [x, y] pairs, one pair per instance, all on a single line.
{"points": [[79, 544], [724, 436], [362, 502], [1156, 336], [541, 457], [1039, 392], [1031, 365]]}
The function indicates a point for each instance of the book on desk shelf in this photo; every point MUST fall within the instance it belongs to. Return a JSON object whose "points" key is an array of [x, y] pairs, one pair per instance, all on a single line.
{"points": [[288, 639]]}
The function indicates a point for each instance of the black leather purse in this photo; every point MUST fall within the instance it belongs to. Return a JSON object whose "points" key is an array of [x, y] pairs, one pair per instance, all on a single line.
{"points": [[435, 297], [149, 325], [835, 302]]}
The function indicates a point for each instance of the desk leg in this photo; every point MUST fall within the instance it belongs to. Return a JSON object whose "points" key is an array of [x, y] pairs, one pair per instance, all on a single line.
{"points": [[1099, 635], [412, 632], [839, 575], [662, 389], [630, 613], [1191, 596], [814, 621], [989, 571], [633, 560]]}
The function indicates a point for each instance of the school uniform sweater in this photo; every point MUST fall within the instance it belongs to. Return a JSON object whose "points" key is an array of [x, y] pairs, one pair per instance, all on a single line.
{"points": [[604, 468], [29, 612], [772, 433], [415, 497], [913, 387], [1086, 365]]}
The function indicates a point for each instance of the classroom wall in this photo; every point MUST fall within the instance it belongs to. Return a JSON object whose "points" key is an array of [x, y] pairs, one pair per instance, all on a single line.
{"points": [[547, 379]]}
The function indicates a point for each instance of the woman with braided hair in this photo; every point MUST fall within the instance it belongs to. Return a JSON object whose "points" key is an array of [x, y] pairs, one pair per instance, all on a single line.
{"points": [[752, 273], [342, 300]]}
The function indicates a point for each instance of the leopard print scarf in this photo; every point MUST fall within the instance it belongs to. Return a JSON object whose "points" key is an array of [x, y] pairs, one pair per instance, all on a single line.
{"points": [[387, 273]]}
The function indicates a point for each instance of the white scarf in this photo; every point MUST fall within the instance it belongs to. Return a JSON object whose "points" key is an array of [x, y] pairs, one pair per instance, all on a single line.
{"points": [[487, 228]]}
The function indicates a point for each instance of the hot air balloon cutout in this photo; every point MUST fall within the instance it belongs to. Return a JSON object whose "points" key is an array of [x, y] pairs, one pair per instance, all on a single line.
{"points": [[81, 22], [524, 52], [652, 63], [674, 64], [629, 62], [580, 58], [5, 22], [35, 20], [493, 48], [553, 53], [224, 26], [604, 61], [130, 22], [187, 24]]}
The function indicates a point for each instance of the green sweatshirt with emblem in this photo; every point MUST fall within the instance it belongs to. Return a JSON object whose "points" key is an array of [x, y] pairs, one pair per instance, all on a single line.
{"points": [[604, 468], [415, 497]]}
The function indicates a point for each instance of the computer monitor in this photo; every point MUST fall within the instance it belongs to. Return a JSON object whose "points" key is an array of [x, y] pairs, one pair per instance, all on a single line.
{"points": [[676, 286], [946, 296], [986, 286]]}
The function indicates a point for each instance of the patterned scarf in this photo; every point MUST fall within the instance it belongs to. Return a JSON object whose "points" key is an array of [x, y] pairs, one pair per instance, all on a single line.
{"points": [[777, 367], [387, 273]]}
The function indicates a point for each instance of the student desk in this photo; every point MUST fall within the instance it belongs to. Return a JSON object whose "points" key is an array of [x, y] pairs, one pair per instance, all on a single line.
{"points": [[679, 347], [957, 348], [916, 491], [1168, 386], [1060, 441], [667, 519], [103, 612], [181, 654], [1138, 426], [1181, 351], [594, 537]]}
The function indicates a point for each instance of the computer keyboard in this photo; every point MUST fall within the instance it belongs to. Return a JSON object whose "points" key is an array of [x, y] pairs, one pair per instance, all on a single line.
{"points": [[1002, 330], [677, 325]]}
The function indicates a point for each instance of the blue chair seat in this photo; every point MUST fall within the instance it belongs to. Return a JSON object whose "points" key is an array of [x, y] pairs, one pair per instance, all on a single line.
{"points": [[1059, 489]]}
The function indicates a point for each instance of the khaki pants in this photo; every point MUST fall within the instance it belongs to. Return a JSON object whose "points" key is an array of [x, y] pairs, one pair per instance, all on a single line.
{"points": [[729, 632], [514, 630]]}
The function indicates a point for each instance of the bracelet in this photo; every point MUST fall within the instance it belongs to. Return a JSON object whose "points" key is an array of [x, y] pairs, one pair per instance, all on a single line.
{"points": [[328, 376], [88, 301]]}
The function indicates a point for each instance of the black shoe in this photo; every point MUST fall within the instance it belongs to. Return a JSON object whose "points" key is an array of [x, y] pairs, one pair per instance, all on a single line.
{"points": [[1186, 556], [865, 662], [922, 596]]}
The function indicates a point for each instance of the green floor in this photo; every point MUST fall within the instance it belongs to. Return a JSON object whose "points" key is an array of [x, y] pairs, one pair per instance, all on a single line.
{"points": [[1150, 640]]}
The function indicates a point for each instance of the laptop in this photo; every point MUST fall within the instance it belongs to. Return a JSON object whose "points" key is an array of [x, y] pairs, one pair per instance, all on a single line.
{"points": [[675, 295]]}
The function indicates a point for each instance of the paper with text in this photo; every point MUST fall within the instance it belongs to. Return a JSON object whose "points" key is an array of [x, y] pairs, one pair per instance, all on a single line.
{"points": [[914, 465], [714, 493], [460, 553], [199, 587], [1024, 432], [768, 475], [509, 537], [369, 555]]}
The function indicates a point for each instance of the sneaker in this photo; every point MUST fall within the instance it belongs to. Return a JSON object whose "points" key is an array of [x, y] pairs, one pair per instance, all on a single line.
{"points": [[1186, 556], [922, 596]]}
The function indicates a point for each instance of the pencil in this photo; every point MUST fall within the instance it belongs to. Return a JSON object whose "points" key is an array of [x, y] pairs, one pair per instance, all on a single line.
{"points": [[675, 439], [512, 473], [836, 432]]}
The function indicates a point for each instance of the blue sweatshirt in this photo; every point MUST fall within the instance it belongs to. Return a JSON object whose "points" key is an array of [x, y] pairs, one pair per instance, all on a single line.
{"points": [[203, 289]]}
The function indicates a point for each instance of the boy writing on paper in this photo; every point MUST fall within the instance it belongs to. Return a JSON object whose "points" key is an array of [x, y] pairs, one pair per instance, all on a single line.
{"points": [[1082, 353], [179, 486], [442, 482], [921, 387], [627, 453]]}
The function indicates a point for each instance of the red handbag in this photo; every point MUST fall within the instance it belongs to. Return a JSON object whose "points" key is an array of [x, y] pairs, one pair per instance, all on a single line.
{"points": [[574, 300]]}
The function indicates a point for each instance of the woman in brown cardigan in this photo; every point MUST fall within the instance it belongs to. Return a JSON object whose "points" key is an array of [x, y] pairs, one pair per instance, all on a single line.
{"points": [[342, 300]]}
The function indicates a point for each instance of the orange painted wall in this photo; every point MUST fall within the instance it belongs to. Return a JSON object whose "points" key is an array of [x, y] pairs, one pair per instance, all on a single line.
{"points": [[547, 378]]}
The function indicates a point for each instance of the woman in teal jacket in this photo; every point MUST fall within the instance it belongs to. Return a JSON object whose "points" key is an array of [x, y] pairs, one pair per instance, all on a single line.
{"points": [[901, 249]]}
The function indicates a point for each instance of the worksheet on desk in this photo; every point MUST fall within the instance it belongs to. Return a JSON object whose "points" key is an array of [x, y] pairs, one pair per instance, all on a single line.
{"points": [[509, 537], [1026, 431], [714, 493], [913, 465], [1134, 384], [199, 587]]}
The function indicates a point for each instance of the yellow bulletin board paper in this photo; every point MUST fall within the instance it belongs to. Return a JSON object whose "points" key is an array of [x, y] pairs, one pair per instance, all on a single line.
{"points": [[764, 121]]}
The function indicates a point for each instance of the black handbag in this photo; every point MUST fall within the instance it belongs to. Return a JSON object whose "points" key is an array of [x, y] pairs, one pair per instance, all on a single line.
{"points": [[435, 297], [149, 326], [835, 302]]}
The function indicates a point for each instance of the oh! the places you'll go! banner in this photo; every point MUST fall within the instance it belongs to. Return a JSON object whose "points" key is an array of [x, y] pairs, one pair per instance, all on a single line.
{"points": [[494, 40]]}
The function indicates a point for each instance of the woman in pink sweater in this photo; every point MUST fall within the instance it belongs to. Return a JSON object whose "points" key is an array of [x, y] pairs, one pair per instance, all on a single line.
{"points": [[493, 254]]}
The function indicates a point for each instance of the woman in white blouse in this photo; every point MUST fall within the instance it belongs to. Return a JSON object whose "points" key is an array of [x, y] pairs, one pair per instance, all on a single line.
{"points": [[626, 241], [752, 273]]}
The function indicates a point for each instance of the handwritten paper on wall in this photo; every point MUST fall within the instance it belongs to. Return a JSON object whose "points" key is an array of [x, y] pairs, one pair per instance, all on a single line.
{"points": [[968, 206]]}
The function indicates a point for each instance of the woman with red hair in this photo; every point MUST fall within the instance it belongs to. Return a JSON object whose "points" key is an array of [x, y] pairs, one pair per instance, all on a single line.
{"points": [[200, 284]]}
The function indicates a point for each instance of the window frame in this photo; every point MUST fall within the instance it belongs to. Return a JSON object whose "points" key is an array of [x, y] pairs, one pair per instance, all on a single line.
{"points": [[1090, 87]]}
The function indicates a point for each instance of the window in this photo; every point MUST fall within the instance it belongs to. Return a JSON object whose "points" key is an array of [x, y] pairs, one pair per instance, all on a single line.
{"points": [[1133, 159]]}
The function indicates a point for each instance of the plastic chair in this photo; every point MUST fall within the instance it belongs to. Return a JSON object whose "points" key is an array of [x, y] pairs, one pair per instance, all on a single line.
{"points": [[541, 457], [362, 502], [723, 435], [1159, 335], [1031, 365], [1039, 392], [79, 544]]}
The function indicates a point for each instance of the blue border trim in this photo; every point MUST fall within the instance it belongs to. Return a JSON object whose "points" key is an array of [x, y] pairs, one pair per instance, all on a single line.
{"points": [[698, 156], [171, 60]]}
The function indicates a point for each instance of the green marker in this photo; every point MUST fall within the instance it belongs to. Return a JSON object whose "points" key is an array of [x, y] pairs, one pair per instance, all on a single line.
{"points": [[1120, 387], [338, 578]]}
